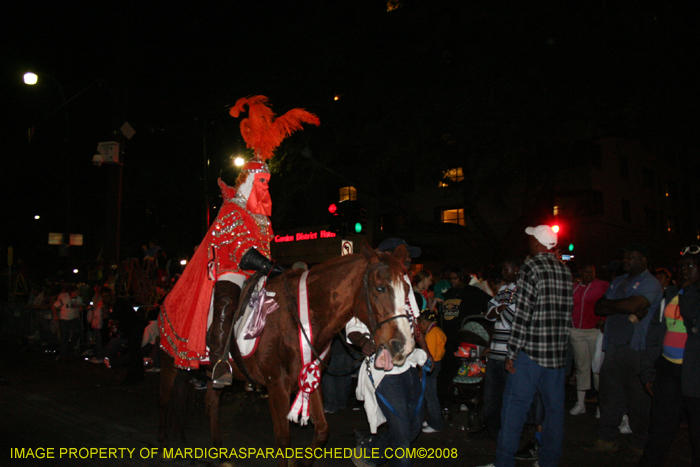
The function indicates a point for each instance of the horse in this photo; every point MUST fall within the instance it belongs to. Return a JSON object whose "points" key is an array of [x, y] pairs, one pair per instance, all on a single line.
{"points": [[369, 286]]}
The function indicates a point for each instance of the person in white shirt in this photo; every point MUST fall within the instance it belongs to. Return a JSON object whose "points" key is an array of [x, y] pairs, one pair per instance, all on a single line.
{"points": [[392, 394], [69, 305]]}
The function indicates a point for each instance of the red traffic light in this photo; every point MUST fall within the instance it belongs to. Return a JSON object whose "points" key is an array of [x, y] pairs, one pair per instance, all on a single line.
{"points": [[555, 228], [333, 209]]}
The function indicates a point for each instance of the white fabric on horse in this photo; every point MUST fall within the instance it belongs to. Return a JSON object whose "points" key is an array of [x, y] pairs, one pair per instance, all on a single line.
{"points": [[310, 374], [254, 317]]}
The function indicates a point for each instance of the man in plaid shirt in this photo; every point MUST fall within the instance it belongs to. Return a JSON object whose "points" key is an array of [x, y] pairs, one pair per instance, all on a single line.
{"points": [[537, 350]]}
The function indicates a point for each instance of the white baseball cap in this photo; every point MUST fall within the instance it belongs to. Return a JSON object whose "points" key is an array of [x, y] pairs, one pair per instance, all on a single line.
{"points": [[544, 234]]}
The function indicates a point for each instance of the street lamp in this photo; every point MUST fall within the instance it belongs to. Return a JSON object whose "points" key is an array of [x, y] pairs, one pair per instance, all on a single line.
{"points": [[30, 78]]}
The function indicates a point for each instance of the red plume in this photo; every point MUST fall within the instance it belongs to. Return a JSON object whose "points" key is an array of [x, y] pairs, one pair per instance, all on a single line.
{"points": [[263, 132]]}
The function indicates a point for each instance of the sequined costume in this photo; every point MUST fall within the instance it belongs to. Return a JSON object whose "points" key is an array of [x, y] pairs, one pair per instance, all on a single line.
{"points": [[183, 320]]}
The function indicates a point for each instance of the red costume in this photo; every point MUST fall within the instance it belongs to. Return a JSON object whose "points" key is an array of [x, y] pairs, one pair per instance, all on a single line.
{"points": [[183, 319], [213, 278]]}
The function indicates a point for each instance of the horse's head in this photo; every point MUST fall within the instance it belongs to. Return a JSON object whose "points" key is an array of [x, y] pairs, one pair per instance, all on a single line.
{"points": [[383, 305]]}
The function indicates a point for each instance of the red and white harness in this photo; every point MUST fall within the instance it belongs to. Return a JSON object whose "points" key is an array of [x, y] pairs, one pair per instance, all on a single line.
{"points": [[310, 374]]}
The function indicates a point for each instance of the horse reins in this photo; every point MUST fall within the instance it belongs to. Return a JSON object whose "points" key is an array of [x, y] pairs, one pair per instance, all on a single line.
{"points": [[294, 311], [365, 291], [295, 315]]}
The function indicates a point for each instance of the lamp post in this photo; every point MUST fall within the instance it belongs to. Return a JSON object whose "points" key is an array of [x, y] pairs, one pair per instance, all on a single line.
{"points": [[31, 79], [109, 153]]}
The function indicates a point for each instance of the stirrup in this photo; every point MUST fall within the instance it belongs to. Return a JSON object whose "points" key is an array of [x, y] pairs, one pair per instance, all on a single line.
{"points": [[225, 379]]}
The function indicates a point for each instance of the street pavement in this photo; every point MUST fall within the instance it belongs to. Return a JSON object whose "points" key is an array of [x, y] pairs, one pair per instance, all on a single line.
{"points": [[71, 410]]}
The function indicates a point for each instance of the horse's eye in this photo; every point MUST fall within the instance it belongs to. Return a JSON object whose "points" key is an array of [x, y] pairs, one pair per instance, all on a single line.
{"points": [[381, 289]]}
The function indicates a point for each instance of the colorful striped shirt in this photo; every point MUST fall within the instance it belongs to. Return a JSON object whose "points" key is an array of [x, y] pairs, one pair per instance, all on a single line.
{"points": [[676, 335]]}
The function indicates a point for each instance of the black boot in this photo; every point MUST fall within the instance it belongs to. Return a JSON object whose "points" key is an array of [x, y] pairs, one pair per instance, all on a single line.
{"points": [[253, 260], [226, 295]]}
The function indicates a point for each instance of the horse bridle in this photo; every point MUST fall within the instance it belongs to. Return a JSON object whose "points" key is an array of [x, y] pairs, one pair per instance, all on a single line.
{"points": [[365, 292], [374, 326]]}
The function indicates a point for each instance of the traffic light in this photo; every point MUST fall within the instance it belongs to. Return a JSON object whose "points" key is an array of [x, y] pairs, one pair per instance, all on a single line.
{"points": [[361, 220], [571, 247], [348, 217], [335, 223], [555, 228]]}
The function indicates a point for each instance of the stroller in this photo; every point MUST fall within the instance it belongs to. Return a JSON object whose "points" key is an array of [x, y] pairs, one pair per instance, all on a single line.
{"points": [[467, 387]]}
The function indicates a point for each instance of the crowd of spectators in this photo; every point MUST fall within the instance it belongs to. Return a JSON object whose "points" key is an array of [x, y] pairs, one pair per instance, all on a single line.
{"points": [[632, 335], [626, 343], [90, 322]]}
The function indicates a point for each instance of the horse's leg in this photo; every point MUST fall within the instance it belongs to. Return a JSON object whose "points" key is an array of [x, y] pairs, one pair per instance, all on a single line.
{"points": [[278, 399], [211, 400], [321, 428], [182, 402], [168, 373]]}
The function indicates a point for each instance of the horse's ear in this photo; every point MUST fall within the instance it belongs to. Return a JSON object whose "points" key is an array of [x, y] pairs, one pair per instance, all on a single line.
{"points": [[367, 251], [401, 253]]}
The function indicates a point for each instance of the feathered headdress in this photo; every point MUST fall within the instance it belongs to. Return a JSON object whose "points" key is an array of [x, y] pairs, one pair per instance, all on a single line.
{"points": [[263, 132]]}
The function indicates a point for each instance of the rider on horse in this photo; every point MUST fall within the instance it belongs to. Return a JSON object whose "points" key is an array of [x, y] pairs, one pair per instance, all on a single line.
{"points": [[199, 310]]}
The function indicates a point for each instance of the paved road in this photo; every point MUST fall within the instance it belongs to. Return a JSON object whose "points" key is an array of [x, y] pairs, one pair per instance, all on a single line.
{"points": [[81, 406]]}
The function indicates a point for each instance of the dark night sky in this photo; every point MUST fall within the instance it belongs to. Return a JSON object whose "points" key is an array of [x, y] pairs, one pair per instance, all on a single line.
{"points": [[491, 77]]}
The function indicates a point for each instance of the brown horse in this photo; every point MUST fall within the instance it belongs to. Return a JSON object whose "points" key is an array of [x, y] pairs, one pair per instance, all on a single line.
{"points": [[369, 286]]}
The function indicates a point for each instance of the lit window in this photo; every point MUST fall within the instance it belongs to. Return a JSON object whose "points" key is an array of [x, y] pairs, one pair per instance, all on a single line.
{"points": [[555, 211], [453, 216], [454, 175], [348, 193], [392, 5]]}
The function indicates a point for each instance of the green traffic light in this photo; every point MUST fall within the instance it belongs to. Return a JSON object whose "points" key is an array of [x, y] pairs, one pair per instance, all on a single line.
{"points": [[358, 227], [571, 247]]}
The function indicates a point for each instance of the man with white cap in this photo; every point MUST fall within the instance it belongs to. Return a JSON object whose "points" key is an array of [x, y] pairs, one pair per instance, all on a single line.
{"points": [[537, 350]]}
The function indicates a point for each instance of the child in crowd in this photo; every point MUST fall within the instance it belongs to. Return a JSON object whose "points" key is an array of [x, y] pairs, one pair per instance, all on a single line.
{"points": [[435, 341]]}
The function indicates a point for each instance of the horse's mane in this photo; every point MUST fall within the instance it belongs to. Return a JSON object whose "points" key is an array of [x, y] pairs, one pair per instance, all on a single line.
{"points": [[335, 262], [346, 259]]}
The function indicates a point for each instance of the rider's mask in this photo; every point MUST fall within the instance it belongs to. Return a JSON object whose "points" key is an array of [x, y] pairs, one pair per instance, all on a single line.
{"points": [[255, 190]]}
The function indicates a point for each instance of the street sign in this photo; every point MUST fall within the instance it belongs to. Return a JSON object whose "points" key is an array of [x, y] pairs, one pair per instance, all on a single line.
{"points": [[109, 150], [346, 247], [127, 130], [55, 238]]}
